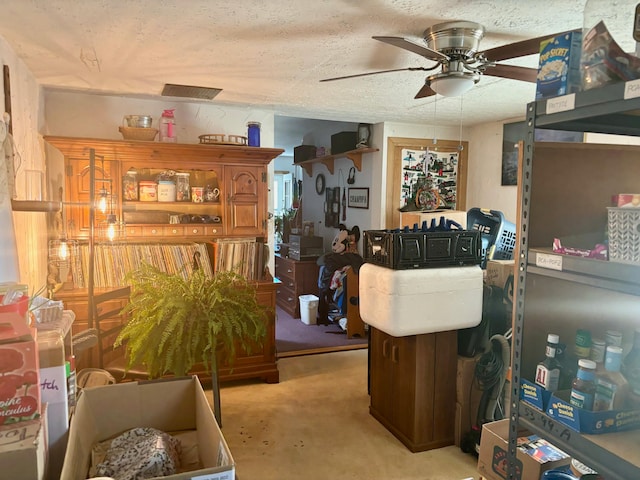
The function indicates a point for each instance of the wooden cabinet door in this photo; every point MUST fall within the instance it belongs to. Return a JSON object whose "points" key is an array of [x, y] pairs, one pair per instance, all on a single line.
{"points": [[246, 199], [402, 359], [78, 184], [261, 361], [381, 371]]}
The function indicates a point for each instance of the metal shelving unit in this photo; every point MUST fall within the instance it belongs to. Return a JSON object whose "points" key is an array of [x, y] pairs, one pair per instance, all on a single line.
{"points": [[565, 189]]}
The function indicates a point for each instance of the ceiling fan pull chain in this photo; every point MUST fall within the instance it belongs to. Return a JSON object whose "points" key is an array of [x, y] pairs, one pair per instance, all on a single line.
{"points": [[460, 147], [435, 119]]}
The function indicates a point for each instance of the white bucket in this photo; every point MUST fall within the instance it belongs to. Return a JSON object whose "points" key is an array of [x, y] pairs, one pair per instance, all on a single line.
{"points": [[308, 309]]}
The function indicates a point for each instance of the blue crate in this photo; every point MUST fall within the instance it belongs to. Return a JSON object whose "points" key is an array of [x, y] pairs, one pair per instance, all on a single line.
{"points": [[498, 236]]}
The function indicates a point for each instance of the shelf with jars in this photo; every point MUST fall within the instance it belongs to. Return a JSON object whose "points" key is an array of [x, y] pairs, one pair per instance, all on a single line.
{"points": [[227, 192], [565, 203]]}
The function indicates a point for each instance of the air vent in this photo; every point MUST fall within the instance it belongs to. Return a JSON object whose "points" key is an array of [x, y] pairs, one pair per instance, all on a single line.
{"points": [[189, 91]]}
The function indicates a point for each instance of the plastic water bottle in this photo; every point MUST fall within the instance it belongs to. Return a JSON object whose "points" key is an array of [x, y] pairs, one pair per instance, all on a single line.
{"points": [[168, 127]]}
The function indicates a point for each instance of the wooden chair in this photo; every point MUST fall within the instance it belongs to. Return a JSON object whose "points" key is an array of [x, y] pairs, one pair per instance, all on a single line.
{"points": [[108, 321]]}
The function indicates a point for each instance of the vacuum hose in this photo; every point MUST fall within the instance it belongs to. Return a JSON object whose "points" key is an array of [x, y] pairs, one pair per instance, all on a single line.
{"points": [[502, 343]]}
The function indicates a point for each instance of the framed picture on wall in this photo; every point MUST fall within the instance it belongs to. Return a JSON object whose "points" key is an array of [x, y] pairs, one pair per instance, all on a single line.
{"points": [[358, 198]]}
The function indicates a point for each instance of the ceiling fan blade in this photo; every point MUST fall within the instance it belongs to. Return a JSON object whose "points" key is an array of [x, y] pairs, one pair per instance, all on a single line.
{"points": [[425, 91], [413, 47], [517, 49], [512, 71], [376, 73]]}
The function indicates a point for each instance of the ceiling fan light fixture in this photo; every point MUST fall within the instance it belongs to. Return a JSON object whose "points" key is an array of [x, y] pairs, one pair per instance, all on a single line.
{"points": [[453, 84]]}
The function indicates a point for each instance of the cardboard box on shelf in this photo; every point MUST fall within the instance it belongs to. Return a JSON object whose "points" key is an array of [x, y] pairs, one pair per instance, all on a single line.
{"points": [[170, 405], [303, 152], [534, 395], [534, 456], [343, 142], [587, 421], [23, 449], [626, 200]]}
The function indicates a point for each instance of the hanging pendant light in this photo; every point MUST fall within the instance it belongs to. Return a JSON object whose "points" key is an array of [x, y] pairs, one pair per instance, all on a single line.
{"points": [[111, 229], [62, 252]]}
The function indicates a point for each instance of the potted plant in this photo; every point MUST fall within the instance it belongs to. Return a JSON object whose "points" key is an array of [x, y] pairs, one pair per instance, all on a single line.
{"points": [[178, 321], [282, 224]]}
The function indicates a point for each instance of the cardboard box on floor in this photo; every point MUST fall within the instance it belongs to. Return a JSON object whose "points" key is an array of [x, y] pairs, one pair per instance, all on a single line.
{"points": [[492, 459], [170, 405], [23, 449]]}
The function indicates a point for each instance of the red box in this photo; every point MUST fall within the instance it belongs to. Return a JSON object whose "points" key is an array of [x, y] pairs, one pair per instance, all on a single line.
{"points": [[626, 200], [19, 366]]}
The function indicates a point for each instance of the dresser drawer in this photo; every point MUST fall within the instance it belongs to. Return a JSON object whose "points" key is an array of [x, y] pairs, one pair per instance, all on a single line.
{"points": [[285, 267], [287, 299], [287, 295], [287, 281]]}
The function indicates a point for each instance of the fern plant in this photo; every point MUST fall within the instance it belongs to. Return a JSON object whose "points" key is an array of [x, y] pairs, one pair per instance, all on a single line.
{"points": [[176, 322]]}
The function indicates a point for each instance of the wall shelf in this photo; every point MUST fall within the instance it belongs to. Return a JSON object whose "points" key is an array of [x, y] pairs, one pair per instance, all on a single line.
{"points": [[354, 155]]}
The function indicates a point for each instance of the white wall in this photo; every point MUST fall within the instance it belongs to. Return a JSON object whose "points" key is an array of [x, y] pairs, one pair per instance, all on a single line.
{"points": [[27, 118], [484, 177], [99, 116]]}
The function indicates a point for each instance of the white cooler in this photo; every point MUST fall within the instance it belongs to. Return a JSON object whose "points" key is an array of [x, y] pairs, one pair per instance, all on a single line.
{"points": [[427, 300]]}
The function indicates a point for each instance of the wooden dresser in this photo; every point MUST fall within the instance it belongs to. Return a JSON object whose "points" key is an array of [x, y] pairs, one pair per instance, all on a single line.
{"points": [[298, 277]]}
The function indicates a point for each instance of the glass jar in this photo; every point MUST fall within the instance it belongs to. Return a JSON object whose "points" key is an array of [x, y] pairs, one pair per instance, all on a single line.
{"points": [[183, 190], [148, 191], [609, 43], [130, 185], [166, 191], [253, 134]]}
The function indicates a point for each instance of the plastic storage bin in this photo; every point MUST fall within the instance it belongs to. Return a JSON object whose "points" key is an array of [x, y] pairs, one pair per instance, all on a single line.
{"points": [[624, 234], [308, 309], [498, 235]]}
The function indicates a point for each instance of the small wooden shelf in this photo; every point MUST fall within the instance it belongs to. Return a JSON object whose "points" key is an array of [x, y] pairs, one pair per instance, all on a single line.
{"points": [[354, 155]]}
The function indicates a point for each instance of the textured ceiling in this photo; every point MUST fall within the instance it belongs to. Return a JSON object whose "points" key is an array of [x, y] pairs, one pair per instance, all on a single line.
{"points": [[272, 54]]}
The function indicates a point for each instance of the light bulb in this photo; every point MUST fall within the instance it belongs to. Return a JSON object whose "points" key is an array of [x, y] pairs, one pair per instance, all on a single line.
{"points": [[63, 250], [111, 231], [102, 203]]}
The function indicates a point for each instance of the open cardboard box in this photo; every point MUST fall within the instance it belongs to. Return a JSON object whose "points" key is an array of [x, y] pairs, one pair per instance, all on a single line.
{"points": [[170, 405], [530, 462]]}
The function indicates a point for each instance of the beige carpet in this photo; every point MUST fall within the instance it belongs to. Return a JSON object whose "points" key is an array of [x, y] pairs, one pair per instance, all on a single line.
{"points": [[315, 424]]}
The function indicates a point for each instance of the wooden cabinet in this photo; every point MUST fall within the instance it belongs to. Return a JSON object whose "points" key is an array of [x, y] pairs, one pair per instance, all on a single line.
{"points": [[297, 277], [240, 174], [260, 362], [412, 386], [239, 210]]}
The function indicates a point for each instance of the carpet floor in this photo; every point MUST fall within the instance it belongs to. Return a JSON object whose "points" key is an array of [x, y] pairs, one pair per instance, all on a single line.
{"points": [[293, 337], [315, 425]]}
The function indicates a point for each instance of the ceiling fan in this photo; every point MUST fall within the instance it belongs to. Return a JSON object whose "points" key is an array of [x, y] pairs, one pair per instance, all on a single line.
{"points": [[455, 47]]}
